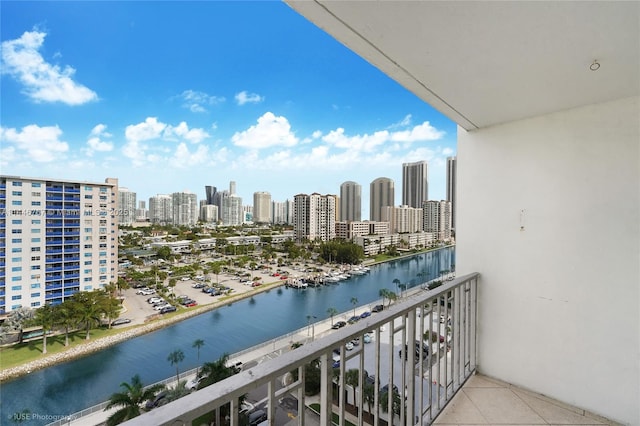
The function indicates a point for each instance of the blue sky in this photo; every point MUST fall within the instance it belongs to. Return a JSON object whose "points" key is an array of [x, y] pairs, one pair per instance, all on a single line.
{"points": [[172, 96]]}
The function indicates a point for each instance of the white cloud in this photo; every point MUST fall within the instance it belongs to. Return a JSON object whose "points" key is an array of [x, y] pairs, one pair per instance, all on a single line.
{"points": [[198, 101], [421, 132], [95, 142], [183, 131], [183, 158], [406, 121], [369, 142], [270, 131], [248, 98], [42, 81], [317, 134], [448, 152], [41, 144], [151, 128]]}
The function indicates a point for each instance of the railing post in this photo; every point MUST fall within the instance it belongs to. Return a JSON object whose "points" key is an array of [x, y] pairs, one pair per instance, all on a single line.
{"points": [[407, 394], [326, 382]]}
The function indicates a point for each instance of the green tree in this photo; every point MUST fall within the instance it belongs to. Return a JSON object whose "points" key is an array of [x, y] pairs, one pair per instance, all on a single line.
{"points": [[45, 317], [111, 308], [132, 397], [396, 401], [90, 305], [331, 312], [396, 282], [213, 372], [402, 288], [67, 316], [354, 302], [175, 358], [198, 343]]}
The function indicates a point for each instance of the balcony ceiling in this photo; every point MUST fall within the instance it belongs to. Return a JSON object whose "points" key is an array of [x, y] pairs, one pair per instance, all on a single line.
{"points": [[484, 63]]}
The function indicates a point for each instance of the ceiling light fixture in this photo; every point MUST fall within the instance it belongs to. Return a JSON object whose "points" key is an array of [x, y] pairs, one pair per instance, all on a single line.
{"points": [[595, 65]]}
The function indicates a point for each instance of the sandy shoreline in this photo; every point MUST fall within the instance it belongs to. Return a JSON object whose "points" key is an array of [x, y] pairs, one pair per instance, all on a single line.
{"points": [[92, 346]]}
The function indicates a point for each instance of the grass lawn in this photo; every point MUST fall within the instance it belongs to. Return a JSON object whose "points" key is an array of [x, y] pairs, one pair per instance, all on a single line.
{"points": [[334, 416], [25, 352]]}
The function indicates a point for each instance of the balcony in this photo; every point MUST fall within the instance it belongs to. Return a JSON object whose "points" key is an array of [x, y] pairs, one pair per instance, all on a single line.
{"points": [[54, 189], [430, 377]]}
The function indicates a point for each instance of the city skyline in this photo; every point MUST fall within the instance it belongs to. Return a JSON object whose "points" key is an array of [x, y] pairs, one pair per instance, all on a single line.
{"points": [[262, 107]]}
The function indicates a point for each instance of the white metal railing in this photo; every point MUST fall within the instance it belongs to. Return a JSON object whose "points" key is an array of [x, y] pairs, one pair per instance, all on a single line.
{"points": [[421, 381]]}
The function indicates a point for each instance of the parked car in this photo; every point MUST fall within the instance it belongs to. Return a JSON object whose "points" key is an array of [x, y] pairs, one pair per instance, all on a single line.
{"points": [[193, 383], [198, 285], [418, 345], [348, 346], [256, 284], [365, 314], [121, 321], [145, 291], [257, 417], [168, 309], [161, 307], [154, 299], [354, 320], [378, 308], [338, 325], [160, 399], [191, 304]]}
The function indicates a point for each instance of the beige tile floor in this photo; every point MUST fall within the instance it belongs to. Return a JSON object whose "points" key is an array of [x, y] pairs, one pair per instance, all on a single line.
{"points": [[486, 401]]}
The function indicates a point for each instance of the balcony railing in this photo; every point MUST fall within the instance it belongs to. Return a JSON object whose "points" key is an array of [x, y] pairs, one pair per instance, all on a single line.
{"points": [[427, 377]]}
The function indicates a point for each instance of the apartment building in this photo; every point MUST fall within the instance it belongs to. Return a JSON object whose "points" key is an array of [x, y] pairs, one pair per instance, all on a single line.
{"points": [[127, 206], [402, 219], [261, 207], [161, 209], [315, 217], [353, 229], [57, 237], [437, 218], [381, 194], [350, 202], [415, 184]]}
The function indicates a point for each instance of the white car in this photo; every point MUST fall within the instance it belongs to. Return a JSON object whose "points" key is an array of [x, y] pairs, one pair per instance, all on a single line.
{"points": [[348, 346], [193, 383], [185, 279], [160, 307]]}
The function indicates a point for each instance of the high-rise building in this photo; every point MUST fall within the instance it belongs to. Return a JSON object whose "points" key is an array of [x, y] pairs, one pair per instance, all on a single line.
{"points": [[232, 187], [219, 199], [403, 219], [210, 193], [126, 206], [437, 218], [350, 202], [415, 184], [315, 217], [161, 209], [452, 163], [381, 194], [185, 208], [142, 213], [282, 212], [261, 207], [232, 213], [208, 213], [61, 238]]}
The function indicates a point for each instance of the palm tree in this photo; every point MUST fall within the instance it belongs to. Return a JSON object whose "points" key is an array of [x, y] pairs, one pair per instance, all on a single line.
{"points": [[331, 312], [176, 357], [198, 343], [45, 317], [130, 399], [354, 302], [215, 371], [396, 282], [90, 306], [402, 288], [383, 293], [67, 316]]}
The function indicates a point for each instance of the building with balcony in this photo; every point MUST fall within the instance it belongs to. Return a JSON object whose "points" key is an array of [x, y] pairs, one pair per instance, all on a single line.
{"points": [[415, 184], [402, 218], [185, 208], [437, 218], [126, 206], [58, 237], [315, 217], [161, 209], [350, 202], [381, 194], [547, 102], [261, 207]]}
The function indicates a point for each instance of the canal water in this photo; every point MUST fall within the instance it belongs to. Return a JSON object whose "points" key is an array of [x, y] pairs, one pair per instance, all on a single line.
{"points": [[70, 387]]}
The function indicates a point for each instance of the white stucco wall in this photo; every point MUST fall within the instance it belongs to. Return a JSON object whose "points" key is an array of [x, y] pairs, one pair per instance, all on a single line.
{"points": [[559, 300]]}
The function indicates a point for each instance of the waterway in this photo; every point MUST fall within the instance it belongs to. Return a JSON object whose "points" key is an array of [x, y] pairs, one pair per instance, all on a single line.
{"points": [[70, 387]]}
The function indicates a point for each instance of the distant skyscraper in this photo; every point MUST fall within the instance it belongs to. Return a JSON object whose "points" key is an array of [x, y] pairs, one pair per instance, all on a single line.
{"points": [[415, 184], [381, 194], [232, 213], [350, 202], [208, 213], [185, 208], [315, 217], [210, 192], [232, 187], [126, 206], [261, 207], [452, 164], [161, 209], [437, 219]]}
